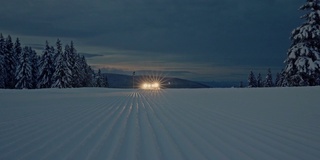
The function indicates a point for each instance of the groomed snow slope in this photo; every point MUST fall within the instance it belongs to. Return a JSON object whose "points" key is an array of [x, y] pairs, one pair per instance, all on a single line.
{"points": [[195, 124]]}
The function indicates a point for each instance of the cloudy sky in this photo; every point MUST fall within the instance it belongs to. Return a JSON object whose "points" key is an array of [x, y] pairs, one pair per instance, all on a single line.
{"points": [[221, 40]]}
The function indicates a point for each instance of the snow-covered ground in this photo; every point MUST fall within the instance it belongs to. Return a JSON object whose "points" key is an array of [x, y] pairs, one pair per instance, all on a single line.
{"points": [[93, 123]]}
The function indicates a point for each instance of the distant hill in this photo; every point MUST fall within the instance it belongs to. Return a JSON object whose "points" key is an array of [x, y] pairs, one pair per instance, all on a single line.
{"points": [[223, 84], [125, 81]]}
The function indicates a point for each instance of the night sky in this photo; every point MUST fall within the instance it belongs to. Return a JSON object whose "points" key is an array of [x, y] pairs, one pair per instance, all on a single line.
{"points": [[204, 40]]}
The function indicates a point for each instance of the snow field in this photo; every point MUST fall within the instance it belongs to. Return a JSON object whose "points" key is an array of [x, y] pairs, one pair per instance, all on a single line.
{"points": [[95, 123]]}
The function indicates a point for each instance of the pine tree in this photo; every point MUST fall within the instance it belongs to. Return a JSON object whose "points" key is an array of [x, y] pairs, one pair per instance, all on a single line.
{"points": [[303, 61], [34, 60], [99, 79], [106, 83], [252, 81], [61, 75], [24, 70], [10, 63], [277, 81], [53, 55], [3, 74], [76, 74], [70, 60], [52, 52], [58, 50], [259, 80], [46, 68], [17, 51], [87, 75], [268, 81], [74, 66], [83, 71]]}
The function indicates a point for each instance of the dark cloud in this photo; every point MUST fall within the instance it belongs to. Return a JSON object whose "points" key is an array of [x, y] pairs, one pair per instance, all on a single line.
{"points": [[90, 55], [185, 33]]}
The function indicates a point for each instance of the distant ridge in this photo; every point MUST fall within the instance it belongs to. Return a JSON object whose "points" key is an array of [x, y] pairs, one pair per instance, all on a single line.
{"points": [[125, 81], [222, 84]]}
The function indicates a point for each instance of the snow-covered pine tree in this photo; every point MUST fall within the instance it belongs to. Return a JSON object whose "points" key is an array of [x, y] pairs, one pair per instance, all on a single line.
{"points": [[277, 81], [17, 51], [3, 74], [62, 73], [24, 70], [252, 81], [106, 83], [82, 70], [34, 60], [259, 80], [303, 61], [76, 74], [46, 68], [53, 54], [268, 82], [74, 65], [87, 76], [10, 63], [58, 51], [99, 79], [69, 62]]}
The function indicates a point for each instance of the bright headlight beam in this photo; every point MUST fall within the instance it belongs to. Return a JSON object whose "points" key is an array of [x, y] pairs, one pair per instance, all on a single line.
{"points": [[151, 86]]}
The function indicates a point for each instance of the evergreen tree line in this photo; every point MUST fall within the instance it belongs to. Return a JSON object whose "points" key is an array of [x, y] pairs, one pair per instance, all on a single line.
{"points": [[22, 68], [258, 81]]}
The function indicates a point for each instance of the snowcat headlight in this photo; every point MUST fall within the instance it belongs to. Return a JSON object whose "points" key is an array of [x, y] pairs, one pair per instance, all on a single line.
{"points": [[151, 86]]}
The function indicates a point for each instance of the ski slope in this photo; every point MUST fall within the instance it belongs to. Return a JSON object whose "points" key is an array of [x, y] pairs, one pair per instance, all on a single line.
{"points": [[195, 124]]}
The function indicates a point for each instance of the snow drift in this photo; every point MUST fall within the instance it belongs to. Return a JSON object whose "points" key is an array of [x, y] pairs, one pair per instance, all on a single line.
{"points": [[273, 123]]}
